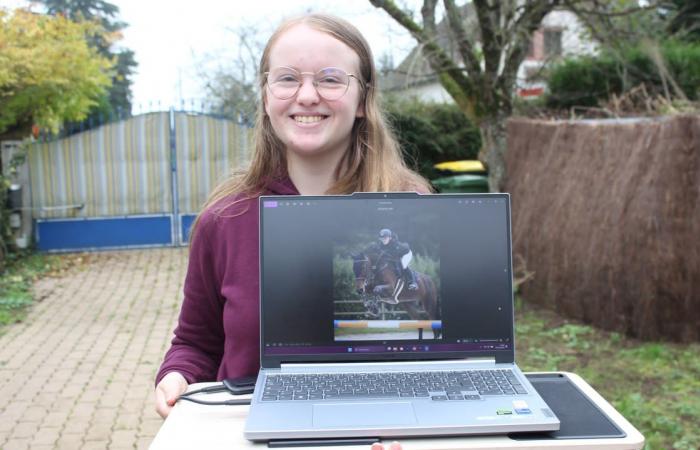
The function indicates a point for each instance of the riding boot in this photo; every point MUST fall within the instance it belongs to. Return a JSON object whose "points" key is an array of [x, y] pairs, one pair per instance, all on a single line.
{"points": [[408, 276]]}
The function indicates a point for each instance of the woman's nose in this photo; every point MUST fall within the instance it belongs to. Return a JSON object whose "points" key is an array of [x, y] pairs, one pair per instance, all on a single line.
{"points": [[307, 92]]}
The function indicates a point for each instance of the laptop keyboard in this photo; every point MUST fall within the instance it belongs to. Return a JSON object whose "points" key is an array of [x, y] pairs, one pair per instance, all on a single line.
{"points": [[438, 385]]}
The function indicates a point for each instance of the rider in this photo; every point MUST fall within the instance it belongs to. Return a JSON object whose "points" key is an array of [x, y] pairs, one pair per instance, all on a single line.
{"points": [[399, 252]]}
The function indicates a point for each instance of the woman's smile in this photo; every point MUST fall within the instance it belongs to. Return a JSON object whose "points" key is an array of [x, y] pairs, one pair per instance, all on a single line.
{"points": [[308, 119]]}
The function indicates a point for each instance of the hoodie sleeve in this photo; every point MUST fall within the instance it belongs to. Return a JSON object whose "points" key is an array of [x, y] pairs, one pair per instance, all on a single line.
{"points": [[198, 345]]}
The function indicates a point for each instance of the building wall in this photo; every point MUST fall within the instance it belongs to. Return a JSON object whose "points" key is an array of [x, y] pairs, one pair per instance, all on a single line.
{"points": [[574, 41], [432, 92]]}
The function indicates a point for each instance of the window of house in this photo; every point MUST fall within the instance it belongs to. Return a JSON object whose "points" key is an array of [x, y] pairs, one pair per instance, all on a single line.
{"points": [[552, 43]]}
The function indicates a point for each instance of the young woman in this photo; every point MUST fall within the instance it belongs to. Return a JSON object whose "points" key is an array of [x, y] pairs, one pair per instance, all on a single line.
{"points": [[319, 130]]}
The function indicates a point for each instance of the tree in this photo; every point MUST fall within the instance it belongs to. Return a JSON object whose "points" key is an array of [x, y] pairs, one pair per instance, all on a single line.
{"points": [[684, 18], [234, 89], [48, 72], [118, 98], [482, 82]]}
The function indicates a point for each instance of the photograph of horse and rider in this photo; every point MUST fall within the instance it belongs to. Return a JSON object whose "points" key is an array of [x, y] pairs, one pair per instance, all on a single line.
{"points": [[387, 284]]}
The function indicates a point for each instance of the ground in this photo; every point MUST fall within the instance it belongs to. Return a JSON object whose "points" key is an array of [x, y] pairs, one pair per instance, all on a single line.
{"points": [[78, 371]]}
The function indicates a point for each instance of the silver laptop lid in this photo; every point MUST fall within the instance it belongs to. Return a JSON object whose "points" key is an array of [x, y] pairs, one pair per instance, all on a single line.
{"points": [[385, 277]]}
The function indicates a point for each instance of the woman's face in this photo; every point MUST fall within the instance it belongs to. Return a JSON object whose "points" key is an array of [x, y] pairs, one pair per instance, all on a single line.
{"points": [[309, 125]]}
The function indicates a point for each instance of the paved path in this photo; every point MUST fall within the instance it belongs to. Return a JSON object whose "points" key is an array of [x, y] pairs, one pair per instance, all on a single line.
{"points": [[78, 372]]}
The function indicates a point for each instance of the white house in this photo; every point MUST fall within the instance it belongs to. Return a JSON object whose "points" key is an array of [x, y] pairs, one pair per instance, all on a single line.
{"points": [[561, 34]]}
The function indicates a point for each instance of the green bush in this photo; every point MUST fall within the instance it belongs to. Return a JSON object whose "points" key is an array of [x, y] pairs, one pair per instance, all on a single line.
{"points": [[430, 133], [591, 80]]}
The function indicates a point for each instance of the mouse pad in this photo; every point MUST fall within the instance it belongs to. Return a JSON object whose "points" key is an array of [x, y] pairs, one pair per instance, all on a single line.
{"points": [[579, 416]]}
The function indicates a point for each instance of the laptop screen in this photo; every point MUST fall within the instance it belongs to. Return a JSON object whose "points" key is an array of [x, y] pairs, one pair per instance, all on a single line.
{"points": [[378, 276]]}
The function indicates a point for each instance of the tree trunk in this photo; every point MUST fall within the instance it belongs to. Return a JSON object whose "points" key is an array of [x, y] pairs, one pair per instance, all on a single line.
{"points": [[493, 149]]}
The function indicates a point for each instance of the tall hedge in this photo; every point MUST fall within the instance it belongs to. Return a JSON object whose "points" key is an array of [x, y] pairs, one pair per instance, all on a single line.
{"points": [[606, 214]]}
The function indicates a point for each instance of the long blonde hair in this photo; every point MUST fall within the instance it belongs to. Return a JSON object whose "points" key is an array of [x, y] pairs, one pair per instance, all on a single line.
{"points": [[374, 161]]}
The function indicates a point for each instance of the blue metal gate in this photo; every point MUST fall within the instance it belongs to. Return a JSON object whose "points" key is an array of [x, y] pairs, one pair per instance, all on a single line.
{"points": [[136, 183]]}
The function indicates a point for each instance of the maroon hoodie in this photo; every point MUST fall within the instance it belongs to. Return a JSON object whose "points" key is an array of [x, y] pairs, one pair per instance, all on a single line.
{"points": [[218, 332]]}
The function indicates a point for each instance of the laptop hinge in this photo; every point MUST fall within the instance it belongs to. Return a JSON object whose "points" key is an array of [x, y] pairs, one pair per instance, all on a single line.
{"points": [[388, 365]]}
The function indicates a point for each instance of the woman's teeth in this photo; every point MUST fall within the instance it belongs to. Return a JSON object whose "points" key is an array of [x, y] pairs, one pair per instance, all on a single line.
{"points": [[308, 119]]}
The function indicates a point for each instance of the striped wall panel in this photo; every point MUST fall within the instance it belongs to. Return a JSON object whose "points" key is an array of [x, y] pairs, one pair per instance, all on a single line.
{"points": [[117, 169], [207, 149]]}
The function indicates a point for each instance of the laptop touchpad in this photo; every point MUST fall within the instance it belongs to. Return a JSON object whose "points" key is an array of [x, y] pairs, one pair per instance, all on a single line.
{"points": [[363, 414]]}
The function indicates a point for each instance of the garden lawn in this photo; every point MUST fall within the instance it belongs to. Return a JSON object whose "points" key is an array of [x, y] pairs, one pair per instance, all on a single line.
{"points": [[655, 385]]}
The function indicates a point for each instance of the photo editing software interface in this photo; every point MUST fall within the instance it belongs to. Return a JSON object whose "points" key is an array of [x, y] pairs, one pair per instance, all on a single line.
{"points": [[386, 275]]}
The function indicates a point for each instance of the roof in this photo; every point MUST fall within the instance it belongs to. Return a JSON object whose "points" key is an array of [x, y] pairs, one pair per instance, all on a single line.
{"points": [[415, 70]]}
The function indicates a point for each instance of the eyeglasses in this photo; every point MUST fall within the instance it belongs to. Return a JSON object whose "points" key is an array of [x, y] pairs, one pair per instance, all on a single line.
{"points": [[331, 83]]}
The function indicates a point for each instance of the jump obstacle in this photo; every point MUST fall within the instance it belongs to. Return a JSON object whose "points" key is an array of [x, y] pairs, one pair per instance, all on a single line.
{"points": [[420, 325]]}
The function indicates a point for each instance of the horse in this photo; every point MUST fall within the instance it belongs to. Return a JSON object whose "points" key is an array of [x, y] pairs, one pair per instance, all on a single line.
{"points": [[377, 281]]}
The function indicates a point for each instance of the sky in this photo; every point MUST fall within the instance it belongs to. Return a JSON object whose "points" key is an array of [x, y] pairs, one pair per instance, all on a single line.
{"points": [[177, 41]]}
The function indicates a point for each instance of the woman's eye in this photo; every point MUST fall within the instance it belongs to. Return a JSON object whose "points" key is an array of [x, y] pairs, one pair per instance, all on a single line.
{"points": [[286, 79], [330, 80]]}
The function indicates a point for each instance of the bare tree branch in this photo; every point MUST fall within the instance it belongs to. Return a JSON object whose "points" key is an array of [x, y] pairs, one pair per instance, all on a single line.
{"points": [[464, 44], [489, 43], [598, 8], [525, 26], [453, 79], [428, 13]]}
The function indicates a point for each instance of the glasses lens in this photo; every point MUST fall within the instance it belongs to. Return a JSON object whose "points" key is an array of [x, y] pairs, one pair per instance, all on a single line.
{"points": [[284, 82], [331, 83]]}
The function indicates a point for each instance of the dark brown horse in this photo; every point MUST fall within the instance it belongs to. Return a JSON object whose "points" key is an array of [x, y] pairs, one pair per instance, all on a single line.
{"points": [[377, 280]]}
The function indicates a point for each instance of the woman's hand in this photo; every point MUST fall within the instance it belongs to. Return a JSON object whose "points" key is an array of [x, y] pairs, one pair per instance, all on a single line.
{"points": [[167, 392], [393, 446]]}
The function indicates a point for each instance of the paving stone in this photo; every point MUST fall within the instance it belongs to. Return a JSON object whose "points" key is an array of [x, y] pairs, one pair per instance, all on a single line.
{"points": [[76, 426], [55, 419], [98, 432], [24, 430], [16, 444], [95, 445], [69, 441], [46, 436], [123, 438], [83, 410], [6, 425]]}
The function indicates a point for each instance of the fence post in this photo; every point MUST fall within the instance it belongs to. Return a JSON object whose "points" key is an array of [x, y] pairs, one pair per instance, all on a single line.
{"points": [[176, 237]]}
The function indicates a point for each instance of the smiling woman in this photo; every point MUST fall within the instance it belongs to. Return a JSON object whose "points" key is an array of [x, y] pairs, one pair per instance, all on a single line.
{"points": [[319, 130]]}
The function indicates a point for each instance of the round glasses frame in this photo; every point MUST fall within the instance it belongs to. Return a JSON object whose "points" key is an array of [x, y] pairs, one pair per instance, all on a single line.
{"points": [[323, 93]]}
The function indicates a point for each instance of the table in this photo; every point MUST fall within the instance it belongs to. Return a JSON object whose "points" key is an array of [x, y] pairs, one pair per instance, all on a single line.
{"points": [[191, 426]]}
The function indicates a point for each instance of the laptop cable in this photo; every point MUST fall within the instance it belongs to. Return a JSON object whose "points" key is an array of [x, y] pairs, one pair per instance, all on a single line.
{"points": [[235, 386]]}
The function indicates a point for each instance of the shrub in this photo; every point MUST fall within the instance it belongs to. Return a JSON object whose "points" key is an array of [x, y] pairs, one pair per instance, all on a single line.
{"points": [[430, 133], [591, 80]]}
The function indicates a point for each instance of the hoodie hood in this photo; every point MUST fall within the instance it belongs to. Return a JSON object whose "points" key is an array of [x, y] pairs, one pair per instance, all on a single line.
{"points": [[282, 186]]}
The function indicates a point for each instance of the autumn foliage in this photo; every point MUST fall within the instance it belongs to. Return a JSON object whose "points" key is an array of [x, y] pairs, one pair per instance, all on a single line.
{"points": [[48, 72]]}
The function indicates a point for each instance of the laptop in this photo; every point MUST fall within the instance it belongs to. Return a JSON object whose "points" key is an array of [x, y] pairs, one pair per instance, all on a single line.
{"points": [[386, 315]]}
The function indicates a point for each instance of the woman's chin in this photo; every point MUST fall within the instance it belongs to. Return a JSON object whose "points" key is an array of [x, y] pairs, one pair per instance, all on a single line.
{"points": [[308, 150]]}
